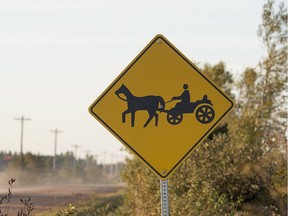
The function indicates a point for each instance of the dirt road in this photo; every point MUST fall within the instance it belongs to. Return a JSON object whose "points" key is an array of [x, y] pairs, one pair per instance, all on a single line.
{"points": [[48, 197]]}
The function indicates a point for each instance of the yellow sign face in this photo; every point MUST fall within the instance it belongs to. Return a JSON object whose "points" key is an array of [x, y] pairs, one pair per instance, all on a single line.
{"points": [[161, 106]]}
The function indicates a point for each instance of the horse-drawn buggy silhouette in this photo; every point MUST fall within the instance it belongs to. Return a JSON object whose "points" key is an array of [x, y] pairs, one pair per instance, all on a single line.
{"points": [[203, 109]]}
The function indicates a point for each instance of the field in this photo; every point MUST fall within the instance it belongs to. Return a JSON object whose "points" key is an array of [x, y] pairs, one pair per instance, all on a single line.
{"points": [[50, 199]]}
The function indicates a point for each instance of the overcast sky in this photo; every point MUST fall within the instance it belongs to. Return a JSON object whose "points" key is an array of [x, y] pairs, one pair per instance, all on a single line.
{"points": [[57, 56]]}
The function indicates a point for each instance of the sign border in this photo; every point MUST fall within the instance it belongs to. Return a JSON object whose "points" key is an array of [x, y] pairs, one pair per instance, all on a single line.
{"points": [[159, 36]]}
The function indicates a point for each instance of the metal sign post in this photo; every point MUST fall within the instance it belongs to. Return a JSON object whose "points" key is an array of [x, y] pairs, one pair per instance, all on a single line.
{"points": [[164, 198]]}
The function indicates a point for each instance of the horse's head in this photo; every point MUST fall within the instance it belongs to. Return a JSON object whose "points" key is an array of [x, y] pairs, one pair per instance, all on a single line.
{"points": [[122, 90]]}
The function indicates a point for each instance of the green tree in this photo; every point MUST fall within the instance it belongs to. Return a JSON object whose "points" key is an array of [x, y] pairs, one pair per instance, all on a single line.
{"points": [[258, 128], [220, 76]]}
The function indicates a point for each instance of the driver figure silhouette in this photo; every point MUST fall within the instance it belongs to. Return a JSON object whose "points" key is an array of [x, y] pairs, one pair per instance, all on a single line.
{"points": [[184, 97]]}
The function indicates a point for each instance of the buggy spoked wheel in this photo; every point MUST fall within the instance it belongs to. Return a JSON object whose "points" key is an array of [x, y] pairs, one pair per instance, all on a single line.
{"points": [[205, 114], [174, 118]]}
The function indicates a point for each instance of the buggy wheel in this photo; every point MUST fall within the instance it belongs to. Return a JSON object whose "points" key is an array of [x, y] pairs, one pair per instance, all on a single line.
{"points": [[205, 114], [174, 118]]}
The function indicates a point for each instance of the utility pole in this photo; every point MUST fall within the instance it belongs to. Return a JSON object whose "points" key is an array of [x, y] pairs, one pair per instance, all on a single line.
{"points": [[56, 131], [75, 155], [116, 165], [111, 165], [87, 159], [104, 163], [22, 119], [96, 158]]}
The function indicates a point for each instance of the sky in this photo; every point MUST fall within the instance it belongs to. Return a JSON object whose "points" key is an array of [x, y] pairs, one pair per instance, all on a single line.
{"points": [[58, 56]]}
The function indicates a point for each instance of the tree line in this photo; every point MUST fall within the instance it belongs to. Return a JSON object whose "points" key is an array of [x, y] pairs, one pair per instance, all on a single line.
{"points": [[38, 169]]}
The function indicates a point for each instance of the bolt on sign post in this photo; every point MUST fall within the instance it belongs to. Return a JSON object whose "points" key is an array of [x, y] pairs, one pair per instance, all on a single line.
{"points": [[161, 107]]}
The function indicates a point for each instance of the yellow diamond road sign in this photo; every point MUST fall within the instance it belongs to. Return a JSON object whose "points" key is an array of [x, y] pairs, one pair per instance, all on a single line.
{"points": [[161, 106]]}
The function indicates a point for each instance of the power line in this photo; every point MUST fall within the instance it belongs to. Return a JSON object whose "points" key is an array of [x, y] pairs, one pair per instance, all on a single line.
{"points": [[22, 120], [56, 131]]}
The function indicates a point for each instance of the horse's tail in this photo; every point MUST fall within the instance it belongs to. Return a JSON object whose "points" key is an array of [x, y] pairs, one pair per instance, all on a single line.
{"points": [[162, 103]]}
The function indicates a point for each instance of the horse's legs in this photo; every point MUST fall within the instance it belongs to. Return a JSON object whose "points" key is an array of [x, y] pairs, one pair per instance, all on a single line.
{"points": [[124, 116], [132, 119], [151, 115], [147, 122], [156, 119]]}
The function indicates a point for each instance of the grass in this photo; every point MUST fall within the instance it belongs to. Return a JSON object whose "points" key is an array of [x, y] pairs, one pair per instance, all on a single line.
{"points": [[97, 205], [101, 206]]}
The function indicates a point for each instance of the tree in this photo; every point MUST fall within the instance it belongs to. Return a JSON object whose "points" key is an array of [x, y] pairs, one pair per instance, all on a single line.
{"points": [[260, 132]]}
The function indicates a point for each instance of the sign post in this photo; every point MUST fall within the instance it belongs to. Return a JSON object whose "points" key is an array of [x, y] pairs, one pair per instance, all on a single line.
{"points": [[161, 107], [164, 197]]}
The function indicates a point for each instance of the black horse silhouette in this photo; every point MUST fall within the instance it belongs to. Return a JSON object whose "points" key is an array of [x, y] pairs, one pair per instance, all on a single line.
{"points": [[150, 103]]}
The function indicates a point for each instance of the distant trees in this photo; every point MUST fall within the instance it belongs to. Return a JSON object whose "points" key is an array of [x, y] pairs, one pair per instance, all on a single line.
{"points": [[242, 168], [37, 169]]}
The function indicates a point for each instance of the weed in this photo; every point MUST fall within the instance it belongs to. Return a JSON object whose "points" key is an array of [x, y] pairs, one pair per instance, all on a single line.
{"points": [[69, 211], [6, 200], [28, 207]]}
